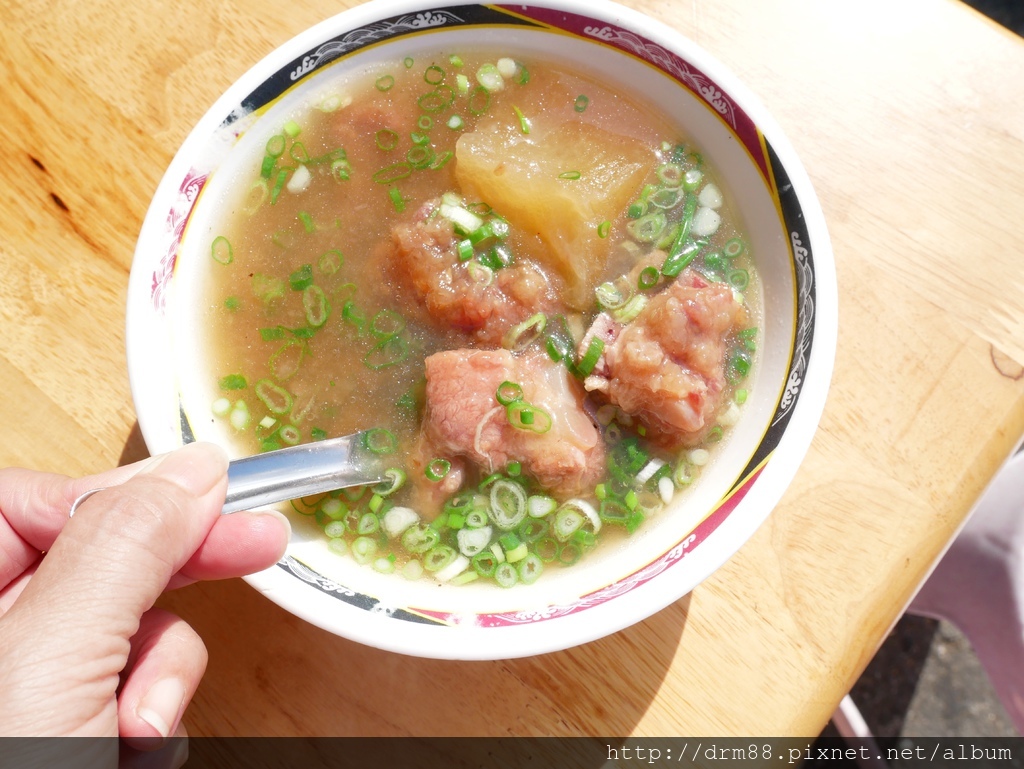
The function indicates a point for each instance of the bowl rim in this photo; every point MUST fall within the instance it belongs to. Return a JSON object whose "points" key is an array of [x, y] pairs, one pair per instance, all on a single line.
{"points": [[375, 627]]}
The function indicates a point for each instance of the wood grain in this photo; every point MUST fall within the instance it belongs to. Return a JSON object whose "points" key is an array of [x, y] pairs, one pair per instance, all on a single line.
{"points": [[910, 120]]}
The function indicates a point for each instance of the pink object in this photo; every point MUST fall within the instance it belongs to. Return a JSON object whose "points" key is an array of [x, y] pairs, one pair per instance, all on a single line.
{"points": [[979, 586]]}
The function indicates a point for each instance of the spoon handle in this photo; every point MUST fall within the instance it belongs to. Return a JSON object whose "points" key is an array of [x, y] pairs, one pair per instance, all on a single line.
{"points": [[301, 471]]}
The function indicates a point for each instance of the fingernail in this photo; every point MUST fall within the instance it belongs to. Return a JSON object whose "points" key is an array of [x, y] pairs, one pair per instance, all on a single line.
{"points": [[162, 705], [258, 516], [196, 467]]}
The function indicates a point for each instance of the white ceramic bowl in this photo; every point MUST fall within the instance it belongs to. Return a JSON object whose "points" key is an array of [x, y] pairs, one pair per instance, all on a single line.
{"points": [[669, 556]]}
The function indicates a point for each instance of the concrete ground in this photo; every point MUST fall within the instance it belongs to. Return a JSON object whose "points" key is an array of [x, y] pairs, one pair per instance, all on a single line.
{"points": [[925, 681]]}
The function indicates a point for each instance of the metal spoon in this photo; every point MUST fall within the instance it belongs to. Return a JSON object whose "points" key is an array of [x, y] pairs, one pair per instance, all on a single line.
{"points": [[293, 472], [301, 471]]}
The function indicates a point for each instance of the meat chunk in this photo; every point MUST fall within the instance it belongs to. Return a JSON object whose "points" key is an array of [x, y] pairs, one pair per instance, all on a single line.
{"points": [[464, 419], [667, 367], [461, 295]]}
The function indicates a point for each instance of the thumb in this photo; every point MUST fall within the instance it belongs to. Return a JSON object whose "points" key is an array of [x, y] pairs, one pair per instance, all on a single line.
{"points": [[115, 557]]}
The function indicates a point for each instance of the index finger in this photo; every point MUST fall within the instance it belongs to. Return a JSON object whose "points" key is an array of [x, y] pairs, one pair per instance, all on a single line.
{"points": [[34, 507]]}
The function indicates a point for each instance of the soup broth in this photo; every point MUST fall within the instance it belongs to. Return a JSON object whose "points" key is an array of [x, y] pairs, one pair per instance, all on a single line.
{"points": [[527, 287]]}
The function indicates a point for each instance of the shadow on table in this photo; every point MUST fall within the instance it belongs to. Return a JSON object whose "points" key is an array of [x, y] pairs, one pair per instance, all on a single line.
{"points": [[273, 674]]}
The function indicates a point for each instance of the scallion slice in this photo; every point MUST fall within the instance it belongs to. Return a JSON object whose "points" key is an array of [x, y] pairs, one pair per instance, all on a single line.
{"points": [[221, 250], [522, 334], [586, 364], [380, 440], [508, 504], [437, 469], [314, 302], [473, 541], [419, 538], [508, 392], [275, 398], [506, 575], [438, 557]]}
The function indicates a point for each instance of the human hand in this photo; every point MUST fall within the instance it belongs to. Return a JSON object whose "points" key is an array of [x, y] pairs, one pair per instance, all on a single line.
{"points": [[82, 650]]}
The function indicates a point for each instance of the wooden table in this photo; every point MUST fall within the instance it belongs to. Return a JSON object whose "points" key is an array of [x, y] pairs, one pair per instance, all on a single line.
{"points": [[909, 118]]}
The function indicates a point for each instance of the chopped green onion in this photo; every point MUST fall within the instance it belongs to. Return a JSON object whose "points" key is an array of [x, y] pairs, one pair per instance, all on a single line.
{"points": [[386, 139], [394, 479], [524, 123], [648, 278], [233, 382], [472, 542], [364, 549], [387, 323], [408, 61], [285, 361], [609, 297], [275, 398], [389, 352], [530, 569], [591, 356], [438, 557], [292, 129], [221, 250], [221, 407], [508, 504], [456, 123], [733, 248], [368, 524], [437, 100], [266, 170], [434, 75], [628, 312], [420, 156], [479, 100], [392, 173], [532, 529], [397, 520], [437, 469], [419, 538], [539, 506], [679, 260], [455, 60], [232, 303], [581, 103], [279, 182], [569, 175], [465, 250], [506, 575], [522, 334], [648, 227], [239, 416], [385, 83], [396, 199], [290, 434], [603, 229], [738, 279], [508, 393], [567, 520], [489, 78], [307, 221], [314, 302], [379, 440], [524, 416], [484, 563], [302, 278], [335, 529], [275, 146], [330, 261]]}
